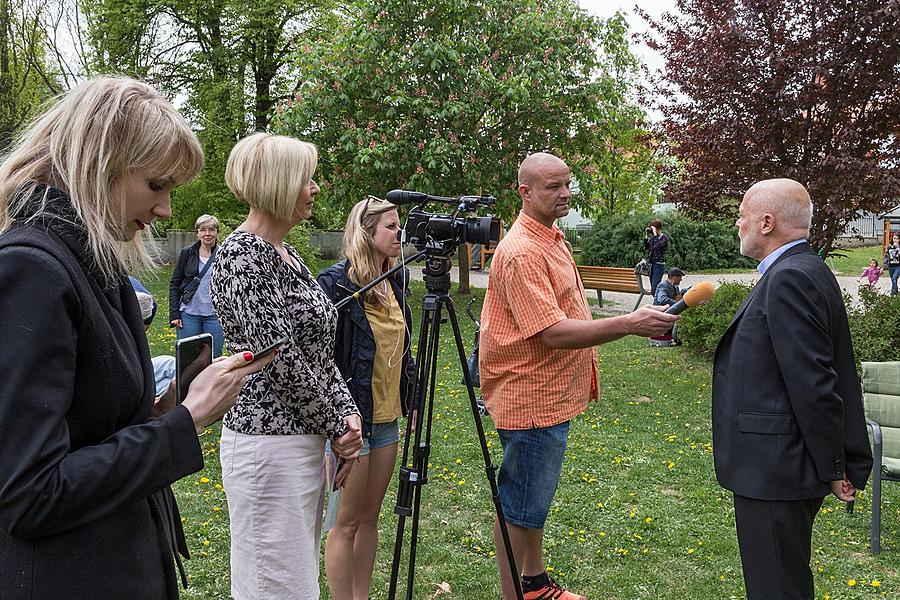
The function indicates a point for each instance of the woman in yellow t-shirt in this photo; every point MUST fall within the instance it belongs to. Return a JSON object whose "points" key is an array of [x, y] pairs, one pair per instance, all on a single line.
{"points": [[372, 353]]}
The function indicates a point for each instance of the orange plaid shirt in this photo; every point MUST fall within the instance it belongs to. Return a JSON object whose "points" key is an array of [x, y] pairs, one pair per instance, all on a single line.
{"points": [[533, 284]]}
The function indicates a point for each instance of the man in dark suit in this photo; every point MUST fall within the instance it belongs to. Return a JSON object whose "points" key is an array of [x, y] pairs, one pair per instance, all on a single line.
{"points": [[788, 425]]}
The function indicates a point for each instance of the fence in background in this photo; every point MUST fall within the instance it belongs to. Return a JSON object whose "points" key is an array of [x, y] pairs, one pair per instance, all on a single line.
{"points": [[868, 225], [575, 235]]}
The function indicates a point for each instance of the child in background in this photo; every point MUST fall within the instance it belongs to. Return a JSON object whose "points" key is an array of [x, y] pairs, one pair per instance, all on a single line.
{"points": [[872, 273]]}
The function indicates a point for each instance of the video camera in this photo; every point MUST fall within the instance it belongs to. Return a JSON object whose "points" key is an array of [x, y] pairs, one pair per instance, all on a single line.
{"points": [[441, 234]]}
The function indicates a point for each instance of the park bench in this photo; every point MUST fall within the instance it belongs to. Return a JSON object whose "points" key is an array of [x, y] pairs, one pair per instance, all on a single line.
{"points": [[613, 279]]}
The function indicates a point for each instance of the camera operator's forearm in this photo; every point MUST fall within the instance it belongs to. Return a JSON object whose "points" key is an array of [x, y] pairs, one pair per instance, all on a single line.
{"points": [[574, 333]]}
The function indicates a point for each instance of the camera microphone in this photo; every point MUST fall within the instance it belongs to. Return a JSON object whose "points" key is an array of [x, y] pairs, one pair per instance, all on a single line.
{"points": [[695, 296], [406, 197]]}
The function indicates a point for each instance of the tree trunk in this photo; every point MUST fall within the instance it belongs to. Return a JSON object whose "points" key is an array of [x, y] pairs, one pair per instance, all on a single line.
{"points": [[463, 252]]}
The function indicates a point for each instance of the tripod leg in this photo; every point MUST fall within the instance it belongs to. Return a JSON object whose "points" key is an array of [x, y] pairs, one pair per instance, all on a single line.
{"points": [[414, 472], [489, 467], [422, 451], [408, 478]]}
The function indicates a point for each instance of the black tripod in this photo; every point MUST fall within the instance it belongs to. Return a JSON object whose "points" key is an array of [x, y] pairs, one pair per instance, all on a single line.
{"points": [[414, 470]]}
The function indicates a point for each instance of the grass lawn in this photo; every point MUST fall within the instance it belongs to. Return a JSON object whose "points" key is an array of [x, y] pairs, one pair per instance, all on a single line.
{"points": [[854, 260], [638, 513]]}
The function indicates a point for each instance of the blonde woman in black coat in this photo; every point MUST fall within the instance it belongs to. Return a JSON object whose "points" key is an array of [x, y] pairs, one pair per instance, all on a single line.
{"points": [[85, 505]]}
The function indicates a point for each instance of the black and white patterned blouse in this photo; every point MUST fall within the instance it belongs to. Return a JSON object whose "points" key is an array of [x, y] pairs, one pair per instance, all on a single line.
{"points": [[259, 299]]}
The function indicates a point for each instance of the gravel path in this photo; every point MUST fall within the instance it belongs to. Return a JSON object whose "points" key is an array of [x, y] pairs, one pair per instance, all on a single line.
{"points": [[619, 302]]}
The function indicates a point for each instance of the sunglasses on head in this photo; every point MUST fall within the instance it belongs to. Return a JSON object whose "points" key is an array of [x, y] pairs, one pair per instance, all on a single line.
{"points": [[365, 209]]}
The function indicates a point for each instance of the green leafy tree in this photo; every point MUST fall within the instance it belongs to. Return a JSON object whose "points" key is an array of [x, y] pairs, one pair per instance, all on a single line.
{"points": [[22, 67], [630, 174], [447, 97], [224, 61], [125, 36]]}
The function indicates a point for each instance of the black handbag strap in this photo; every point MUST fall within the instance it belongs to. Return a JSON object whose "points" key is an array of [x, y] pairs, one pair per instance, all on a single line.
{"points": [[212, 257]]}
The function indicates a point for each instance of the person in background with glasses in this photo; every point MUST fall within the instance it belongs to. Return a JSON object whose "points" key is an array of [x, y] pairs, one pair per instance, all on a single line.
{"points": [[190, 306], [372, 353]]}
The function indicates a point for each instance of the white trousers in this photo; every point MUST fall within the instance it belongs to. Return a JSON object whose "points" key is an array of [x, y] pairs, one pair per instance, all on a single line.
{"points": [[275, 490]]}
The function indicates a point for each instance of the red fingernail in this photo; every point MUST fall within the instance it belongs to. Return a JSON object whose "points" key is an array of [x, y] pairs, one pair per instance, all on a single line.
{"points": [[248, 356]]}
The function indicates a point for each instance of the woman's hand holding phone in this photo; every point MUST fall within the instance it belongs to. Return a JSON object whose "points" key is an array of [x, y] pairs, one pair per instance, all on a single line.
{"points": [[341, 472], [166, 401], [264, 352], [215, 389], [349, 444]]}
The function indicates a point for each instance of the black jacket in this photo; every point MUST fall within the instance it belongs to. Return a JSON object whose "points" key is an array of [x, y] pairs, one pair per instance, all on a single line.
{"points": [[355, 343], [787, 408], [85, 508], [891, 256], [187, 267], [655, 247]]}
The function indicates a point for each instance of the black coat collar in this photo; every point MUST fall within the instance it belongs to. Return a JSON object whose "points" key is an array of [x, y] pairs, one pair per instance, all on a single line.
{"points": [[52, 208]]}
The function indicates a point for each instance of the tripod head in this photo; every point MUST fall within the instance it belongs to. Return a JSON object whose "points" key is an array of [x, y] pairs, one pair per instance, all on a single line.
{"points": [[437, 274]]}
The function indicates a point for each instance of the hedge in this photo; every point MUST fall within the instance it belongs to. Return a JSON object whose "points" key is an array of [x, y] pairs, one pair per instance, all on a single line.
{"points": [[617, 241]]}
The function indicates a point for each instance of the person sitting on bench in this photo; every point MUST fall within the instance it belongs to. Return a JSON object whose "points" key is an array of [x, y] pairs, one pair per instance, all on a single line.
{"points": [[667, 292]]}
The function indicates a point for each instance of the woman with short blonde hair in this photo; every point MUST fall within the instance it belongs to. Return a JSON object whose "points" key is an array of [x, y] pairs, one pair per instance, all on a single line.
{"points": [[272, 446], [372, 352], [86, 509], [269, 172]]}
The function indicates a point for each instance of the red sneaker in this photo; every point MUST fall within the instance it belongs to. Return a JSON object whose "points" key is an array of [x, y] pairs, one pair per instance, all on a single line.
{"points": [[552, 591]]}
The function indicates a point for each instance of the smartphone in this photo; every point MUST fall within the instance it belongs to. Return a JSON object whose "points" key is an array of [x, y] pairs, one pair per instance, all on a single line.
{"points": [[192, 355], [270, 348], [341, 466]]}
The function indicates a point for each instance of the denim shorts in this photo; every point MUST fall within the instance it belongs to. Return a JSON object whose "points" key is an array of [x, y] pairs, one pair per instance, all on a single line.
{"points": [[529, 473], [383, 434]]}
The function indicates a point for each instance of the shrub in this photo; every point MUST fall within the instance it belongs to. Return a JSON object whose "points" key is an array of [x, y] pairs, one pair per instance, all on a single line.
{"points": [[875, 326], [702, 327], [298, 237], [617, 241], [874, 322]]}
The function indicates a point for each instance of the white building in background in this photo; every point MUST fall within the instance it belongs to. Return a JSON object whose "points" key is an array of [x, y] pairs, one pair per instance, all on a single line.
{"points": [[575, 220]]}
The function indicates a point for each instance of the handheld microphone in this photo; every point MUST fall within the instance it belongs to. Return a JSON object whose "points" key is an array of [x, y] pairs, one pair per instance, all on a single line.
{"points": [[695, 296]]}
